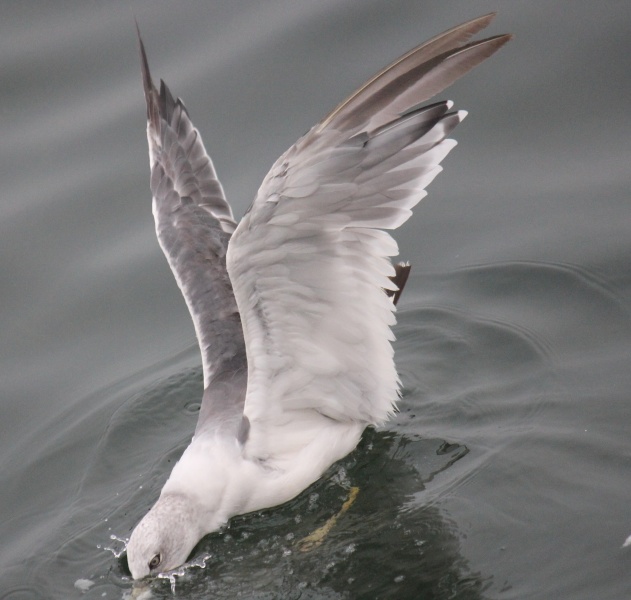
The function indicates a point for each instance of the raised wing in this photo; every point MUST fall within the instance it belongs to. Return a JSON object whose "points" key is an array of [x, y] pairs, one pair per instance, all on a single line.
{"points": [[310, 261], [194, 223]]}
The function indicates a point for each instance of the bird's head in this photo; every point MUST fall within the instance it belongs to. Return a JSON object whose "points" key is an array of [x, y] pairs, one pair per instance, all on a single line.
{"points": [[165, 537]]}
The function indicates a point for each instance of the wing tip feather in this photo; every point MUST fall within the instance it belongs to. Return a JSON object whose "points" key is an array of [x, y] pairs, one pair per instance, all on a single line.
{"points": [[160, 103], [147, 83], [424, 59]]}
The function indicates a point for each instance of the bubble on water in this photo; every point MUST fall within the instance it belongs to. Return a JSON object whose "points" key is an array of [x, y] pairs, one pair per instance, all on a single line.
{"points": [[419, 543], [83, 585], [313, 500], [341, 478]]}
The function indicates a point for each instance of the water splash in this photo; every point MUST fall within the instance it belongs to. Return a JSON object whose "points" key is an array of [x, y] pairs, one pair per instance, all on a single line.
{"points": [[199, 562], [117, 552]]}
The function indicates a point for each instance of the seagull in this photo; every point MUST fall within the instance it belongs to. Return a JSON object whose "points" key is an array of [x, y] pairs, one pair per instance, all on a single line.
{"points": [[293, 306]]}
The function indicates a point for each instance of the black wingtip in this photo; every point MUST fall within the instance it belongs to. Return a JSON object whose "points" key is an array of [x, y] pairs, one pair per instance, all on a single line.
{"points": [[160, 103], [147, 83]]}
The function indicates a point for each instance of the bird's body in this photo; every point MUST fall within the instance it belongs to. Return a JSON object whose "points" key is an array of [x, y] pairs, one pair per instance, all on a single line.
{"points": [[292, 308], [239, 484]]}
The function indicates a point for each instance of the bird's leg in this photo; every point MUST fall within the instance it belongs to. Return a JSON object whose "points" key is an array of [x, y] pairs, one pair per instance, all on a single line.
{"points": [[315, 538]]}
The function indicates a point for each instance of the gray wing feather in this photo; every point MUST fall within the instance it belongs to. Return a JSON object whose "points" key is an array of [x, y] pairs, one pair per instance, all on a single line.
{"points": [[194, 223], [415, 77]]}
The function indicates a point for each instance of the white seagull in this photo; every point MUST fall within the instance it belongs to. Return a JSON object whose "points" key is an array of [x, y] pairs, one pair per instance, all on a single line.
{"points": [[293, 306]]}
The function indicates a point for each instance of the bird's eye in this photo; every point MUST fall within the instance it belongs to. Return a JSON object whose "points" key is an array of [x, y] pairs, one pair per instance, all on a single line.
{"points": [[154, 562]]}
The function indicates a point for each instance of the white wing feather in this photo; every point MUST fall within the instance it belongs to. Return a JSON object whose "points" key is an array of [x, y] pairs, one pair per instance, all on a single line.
{"points": [[310, 262], [309, 265]]}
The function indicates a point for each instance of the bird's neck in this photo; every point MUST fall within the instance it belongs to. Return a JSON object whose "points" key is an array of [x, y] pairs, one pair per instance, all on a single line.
{"points": [[206, 473]]}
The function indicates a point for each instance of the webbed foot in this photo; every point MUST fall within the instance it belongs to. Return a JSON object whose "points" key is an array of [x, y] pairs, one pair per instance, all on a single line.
{"points": [[315, 538]]}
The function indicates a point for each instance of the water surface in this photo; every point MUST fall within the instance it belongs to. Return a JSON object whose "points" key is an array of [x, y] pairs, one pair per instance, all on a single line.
{"points": [[505, 473]]}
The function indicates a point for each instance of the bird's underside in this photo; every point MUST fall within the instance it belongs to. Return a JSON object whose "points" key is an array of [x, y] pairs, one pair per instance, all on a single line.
{"points": [[293, 307]]}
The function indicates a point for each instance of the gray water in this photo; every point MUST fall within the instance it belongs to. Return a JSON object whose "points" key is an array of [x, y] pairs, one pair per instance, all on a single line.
{"points": [[506, 473]]}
